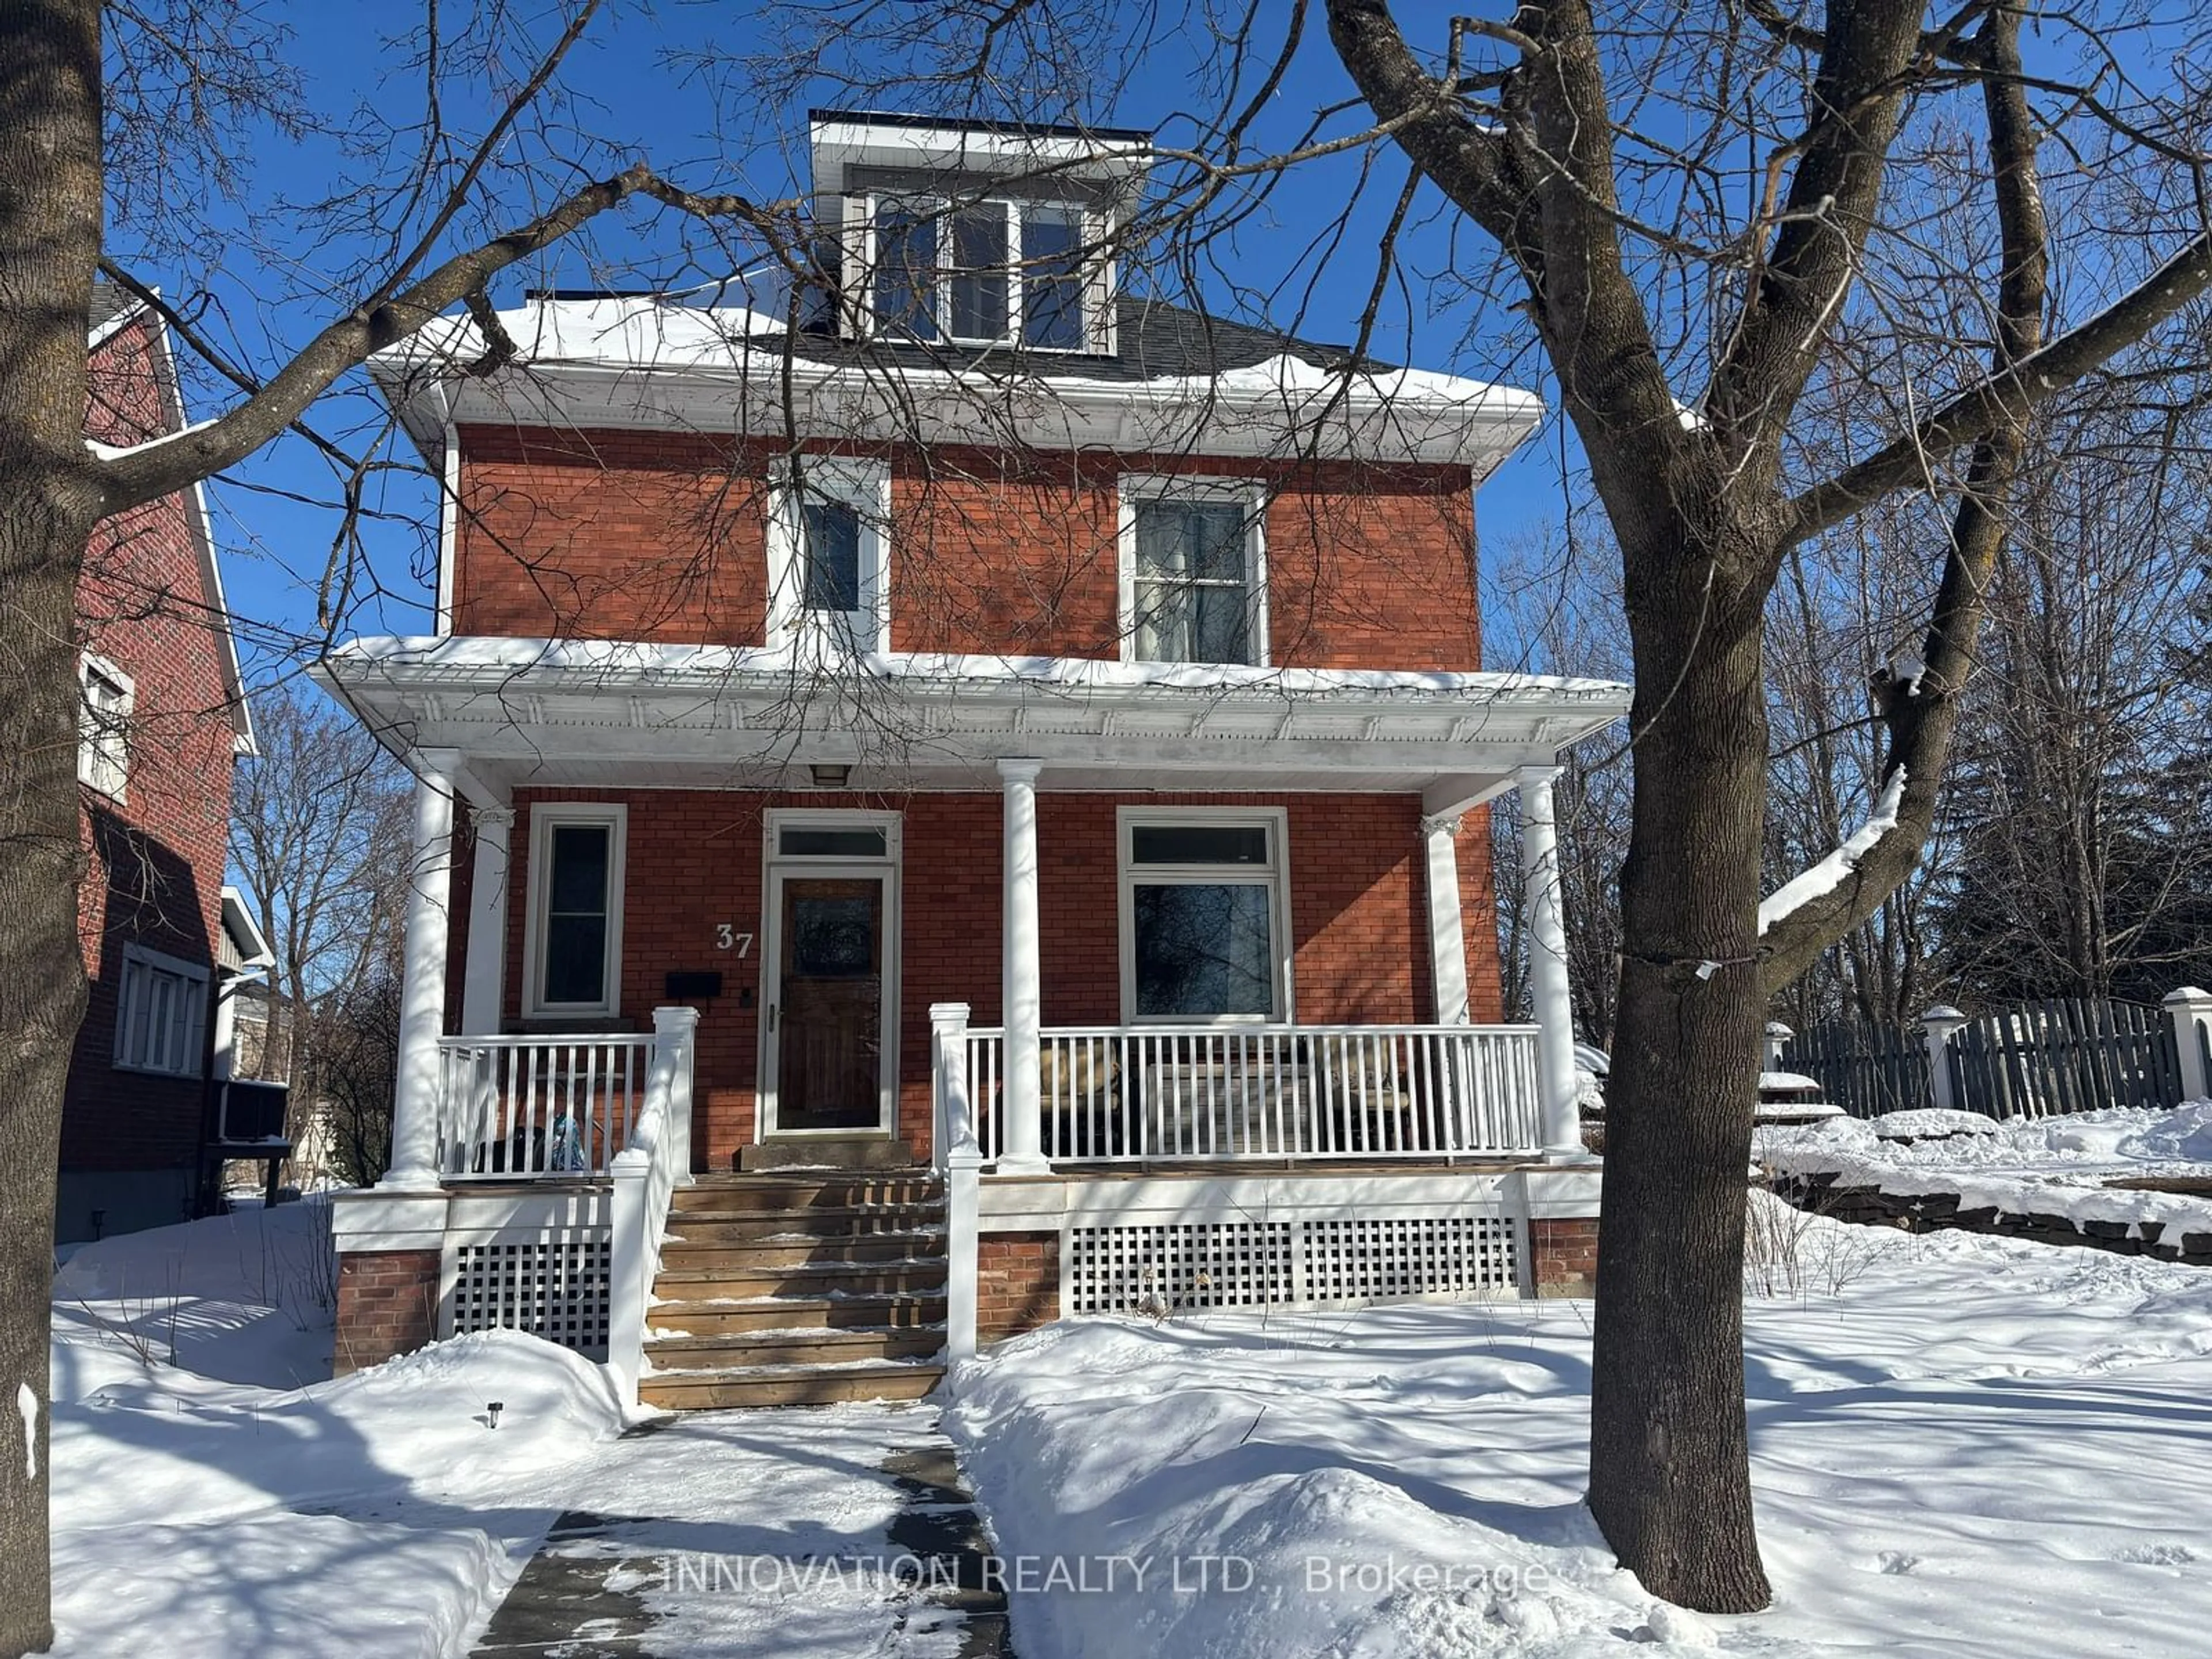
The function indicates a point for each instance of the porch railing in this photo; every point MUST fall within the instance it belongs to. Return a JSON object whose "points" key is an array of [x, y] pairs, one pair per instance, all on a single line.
{"points": [[1213, 1093], [527, 1107]]}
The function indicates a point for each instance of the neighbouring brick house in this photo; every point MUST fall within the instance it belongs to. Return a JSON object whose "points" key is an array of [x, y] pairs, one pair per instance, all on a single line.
{"points": [[165, 719], [1001, 704]]}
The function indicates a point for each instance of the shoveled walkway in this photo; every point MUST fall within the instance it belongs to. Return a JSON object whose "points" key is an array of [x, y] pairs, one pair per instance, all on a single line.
{"points": [[831, 1532]]}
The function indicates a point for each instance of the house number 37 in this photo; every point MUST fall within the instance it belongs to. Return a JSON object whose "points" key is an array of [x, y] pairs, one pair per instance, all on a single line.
{"points": [[725, 940]]}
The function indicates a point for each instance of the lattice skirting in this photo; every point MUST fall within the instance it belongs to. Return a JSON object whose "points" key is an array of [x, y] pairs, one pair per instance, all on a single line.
{"points": [[1174, 1265], [554, 1287]]}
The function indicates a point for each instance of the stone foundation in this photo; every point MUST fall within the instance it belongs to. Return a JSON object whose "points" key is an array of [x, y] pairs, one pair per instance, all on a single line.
{"points": [[1562, 1256], [1931, 1211], [387, 1305], [1018, 1283]]}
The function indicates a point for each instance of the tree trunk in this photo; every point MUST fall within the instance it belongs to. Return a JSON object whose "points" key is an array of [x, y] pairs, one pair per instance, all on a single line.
{"points": [[1669, 1477], [50, 216]]}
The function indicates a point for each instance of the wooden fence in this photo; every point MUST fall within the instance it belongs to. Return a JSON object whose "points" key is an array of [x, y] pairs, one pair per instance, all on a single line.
{"points": [[1866, 1070], [2063, 1056], [2035, 1061]]}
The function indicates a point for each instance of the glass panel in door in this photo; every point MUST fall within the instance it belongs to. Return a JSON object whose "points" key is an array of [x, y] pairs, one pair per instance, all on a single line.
{"points": [[829, 1028]]}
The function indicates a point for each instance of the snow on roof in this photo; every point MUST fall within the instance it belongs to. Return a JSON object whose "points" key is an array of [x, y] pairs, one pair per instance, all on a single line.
{"points": [[1210, 384]]}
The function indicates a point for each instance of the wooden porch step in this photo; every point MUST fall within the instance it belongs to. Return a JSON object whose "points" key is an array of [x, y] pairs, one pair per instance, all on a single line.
{"points": [[789, 1385], [823, 1221], [783, 1192], [719, 1273], [697, 1351], [735, 1316], [678, 1250]]}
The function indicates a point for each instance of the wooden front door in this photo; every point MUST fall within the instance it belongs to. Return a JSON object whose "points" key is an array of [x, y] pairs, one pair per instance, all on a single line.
{"points": [[826, 1023]]}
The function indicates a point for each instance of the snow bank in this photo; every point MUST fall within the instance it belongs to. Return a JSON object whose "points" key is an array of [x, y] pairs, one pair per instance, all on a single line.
{"points": [[212, 1507], [1975, 1449]]}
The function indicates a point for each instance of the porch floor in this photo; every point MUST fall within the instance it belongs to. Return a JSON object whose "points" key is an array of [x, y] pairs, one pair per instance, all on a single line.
{"points": [[1194, 1169]]}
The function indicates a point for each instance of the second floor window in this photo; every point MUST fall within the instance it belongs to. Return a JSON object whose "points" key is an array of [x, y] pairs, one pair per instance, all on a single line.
{"points": [[829, 554], [1193, 579], [103, 751], [981, 273], [830, 537]]}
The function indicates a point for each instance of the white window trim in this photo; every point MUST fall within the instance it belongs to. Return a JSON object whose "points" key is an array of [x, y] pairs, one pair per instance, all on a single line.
{"points": [[542, 820], [866, 486], [1247, 493], [1277, 879], [1095, 273], [87, 666], [195, 973]]}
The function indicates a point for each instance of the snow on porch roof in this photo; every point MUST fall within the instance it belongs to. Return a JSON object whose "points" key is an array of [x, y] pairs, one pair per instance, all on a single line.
{"points": [[518, 699]]}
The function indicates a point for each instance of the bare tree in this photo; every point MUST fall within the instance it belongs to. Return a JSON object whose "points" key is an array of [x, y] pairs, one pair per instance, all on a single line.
{"points": [[121, 126], [319, 830], [1712, 223]]}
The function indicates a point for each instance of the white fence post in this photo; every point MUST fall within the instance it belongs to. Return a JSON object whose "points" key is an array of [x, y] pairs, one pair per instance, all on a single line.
{"points": [[675, 1032], [1776, 1034], [2190, 1010], [962, 1160], [630, 1256], [1939, 1024]]}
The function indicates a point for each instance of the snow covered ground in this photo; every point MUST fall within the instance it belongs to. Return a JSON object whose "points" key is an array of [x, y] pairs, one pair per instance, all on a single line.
{"points": [[2054, 1166], [1964, 1446], [216, 1494]]}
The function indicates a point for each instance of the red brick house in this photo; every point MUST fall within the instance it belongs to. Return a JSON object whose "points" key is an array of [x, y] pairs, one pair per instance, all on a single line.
{"points": [[165, 719], [1018, 738]]}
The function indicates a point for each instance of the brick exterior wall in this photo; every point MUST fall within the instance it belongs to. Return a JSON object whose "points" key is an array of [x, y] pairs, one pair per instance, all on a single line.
{"points": [[1564, 1255], [1016, 1284], [661, 536], [387, 1305], [156, 859], [693, 860]]}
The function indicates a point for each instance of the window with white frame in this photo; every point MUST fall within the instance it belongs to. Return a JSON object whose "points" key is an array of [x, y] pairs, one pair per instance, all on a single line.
{"points": [[1194, 576], [573, 926], [1205, 915], [160, 1014], [988, 272], [103, 749], [832, 555]]}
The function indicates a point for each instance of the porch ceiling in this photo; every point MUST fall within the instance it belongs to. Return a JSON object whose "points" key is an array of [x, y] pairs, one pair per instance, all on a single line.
{"points": [[600, 714]]}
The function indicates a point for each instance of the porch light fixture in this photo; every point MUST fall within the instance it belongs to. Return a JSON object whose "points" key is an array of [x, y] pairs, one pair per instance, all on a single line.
{"points": [[830, 777]]}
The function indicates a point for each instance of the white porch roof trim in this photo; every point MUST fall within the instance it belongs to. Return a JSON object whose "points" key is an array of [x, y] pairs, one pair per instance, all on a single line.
{"points": [[562, 711]]}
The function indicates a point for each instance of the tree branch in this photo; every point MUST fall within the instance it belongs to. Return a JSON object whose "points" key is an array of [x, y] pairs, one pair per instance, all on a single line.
{"points": [[152, 471], [2007, 395], [1921, 714]]}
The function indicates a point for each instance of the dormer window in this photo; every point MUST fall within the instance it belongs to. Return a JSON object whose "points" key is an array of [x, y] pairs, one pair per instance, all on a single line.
{"points": [[982, 272]]}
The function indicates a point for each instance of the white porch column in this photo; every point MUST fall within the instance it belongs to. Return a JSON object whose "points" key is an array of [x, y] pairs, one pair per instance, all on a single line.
{"points": [[483, 975], [1546, 930], [1446, 932], [1021, 981], [422, 990]]}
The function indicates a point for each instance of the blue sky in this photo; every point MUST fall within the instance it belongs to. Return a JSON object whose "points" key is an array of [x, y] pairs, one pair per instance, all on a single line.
{"points": [[630, 71]]}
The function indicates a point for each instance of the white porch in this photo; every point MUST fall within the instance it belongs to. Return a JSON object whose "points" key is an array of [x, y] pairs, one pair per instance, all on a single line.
{"points": [[482, 1110]]}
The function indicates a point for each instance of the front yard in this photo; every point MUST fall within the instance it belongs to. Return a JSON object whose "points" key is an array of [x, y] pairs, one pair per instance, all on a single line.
{"points": [[1968, 1446]]}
